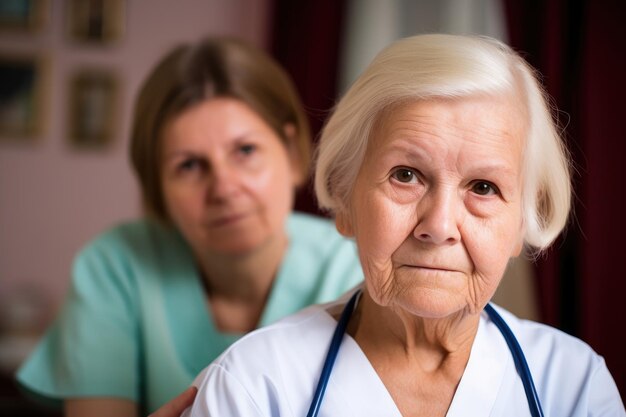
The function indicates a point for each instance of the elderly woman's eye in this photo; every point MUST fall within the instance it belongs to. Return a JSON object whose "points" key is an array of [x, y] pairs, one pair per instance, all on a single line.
{"points": [[484, 188], [404, 175]]}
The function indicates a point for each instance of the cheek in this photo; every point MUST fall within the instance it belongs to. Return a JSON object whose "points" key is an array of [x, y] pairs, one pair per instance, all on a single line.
{"points": [[183, 204], [490, 246], [270, 174], [379, 232], [272, 188]]}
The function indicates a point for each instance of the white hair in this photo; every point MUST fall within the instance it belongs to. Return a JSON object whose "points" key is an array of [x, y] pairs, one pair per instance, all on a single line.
{"points": [[449, 66]]}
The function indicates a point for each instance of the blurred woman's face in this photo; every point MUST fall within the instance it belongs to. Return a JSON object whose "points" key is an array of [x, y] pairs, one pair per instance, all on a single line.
{"points": [[228, 180], [436, 207]]}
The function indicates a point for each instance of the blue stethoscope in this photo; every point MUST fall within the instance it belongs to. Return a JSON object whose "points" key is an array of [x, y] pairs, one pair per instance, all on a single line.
{"points": [[518, 357]]}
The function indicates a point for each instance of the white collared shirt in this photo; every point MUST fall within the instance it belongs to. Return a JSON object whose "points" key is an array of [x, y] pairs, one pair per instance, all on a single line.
{"points": [[274, 371]]}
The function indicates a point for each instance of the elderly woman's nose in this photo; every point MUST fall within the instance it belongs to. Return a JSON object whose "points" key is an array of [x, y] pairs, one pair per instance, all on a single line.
{"points": [[437, 219]]}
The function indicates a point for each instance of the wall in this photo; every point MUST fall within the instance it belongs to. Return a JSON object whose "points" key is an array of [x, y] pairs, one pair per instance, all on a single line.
{"points": [[53, 197]]}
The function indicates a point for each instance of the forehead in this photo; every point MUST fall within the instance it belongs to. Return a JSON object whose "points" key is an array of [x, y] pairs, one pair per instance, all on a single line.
{"points": [[211, 121], [480, 123], [214, 111]]}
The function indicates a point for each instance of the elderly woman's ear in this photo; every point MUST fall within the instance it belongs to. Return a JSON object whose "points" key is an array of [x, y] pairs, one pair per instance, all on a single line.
{"points": [[343, 222]]}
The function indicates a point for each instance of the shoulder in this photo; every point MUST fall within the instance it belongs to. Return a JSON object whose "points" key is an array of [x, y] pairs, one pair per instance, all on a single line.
{"points": [[288, 334], [267, 369], [270, 369], [124, 253], [320, 264], [543, 341], [570, 376], [310, 228], [127, 235], [283, 344], [139, 239], [316, 239]]}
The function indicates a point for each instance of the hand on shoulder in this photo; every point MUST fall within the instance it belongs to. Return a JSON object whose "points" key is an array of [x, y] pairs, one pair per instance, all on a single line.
{"points": [[175, 407]]}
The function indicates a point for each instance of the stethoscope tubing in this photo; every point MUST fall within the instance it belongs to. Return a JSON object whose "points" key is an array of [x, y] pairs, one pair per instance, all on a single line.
{"points": [[333, 350], [516, 351], [520, 361]]}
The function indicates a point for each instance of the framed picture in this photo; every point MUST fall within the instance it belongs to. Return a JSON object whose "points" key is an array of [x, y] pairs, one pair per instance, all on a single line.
{"points": [[93, 97], [96, 21], [21, 85], [23, 15]]}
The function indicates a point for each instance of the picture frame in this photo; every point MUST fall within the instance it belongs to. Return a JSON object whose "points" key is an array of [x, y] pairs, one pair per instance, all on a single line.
{"points": [[93, 96], [96, 21], [21, 96], [27, 16]]}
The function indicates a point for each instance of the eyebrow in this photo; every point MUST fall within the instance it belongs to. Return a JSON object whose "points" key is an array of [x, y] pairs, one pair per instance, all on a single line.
{"points": [[488, 170], [179, 154], [485, 166], [410, 150]]}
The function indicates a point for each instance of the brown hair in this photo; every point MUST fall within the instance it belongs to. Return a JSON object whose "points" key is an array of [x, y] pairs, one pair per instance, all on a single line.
{"points": [[190, 74]]}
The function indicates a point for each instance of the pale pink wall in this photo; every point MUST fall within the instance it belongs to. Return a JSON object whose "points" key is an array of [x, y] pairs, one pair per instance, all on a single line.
{"points": [[54, 198]]}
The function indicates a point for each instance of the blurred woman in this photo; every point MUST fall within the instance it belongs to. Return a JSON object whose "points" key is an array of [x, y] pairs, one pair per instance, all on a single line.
{"points": [[219, 143]]}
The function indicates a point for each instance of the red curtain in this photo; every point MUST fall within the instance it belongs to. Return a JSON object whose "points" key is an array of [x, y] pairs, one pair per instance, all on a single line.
{"points": [[580, 48], [305, 39]]}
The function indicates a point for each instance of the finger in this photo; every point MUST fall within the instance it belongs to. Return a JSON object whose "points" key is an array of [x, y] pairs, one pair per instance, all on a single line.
{"points": [[175, 407]]}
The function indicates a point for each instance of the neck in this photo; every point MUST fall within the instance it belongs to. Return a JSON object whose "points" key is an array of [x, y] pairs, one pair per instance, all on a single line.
{"points": [[429, 343], [238, 286], [419, 360]]}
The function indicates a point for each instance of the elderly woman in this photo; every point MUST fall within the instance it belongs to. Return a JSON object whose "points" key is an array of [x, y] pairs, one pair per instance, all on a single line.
{"points": [[442, 162]]}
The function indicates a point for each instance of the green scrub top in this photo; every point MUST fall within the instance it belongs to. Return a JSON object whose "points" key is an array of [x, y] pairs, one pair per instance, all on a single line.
{"points": [[136, 324]]}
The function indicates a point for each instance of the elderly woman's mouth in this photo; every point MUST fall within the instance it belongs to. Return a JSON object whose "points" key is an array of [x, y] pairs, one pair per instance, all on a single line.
{"points": [[433, 268]]}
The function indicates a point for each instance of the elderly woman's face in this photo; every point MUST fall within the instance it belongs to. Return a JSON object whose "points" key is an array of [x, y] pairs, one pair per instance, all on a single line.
{"points": [[436, 207]]}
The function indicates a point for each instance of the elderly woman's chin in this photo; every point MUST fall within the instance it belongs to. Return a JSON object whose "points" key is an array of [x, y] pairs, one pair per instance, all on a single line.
{"points": [[444, 306], [430, 303]]}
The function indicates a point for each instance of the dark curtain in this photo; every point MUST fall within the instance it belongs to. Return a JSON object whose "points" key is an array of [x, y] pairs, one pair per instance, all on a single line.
{"points": [[580, 48], [305, 39]]}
